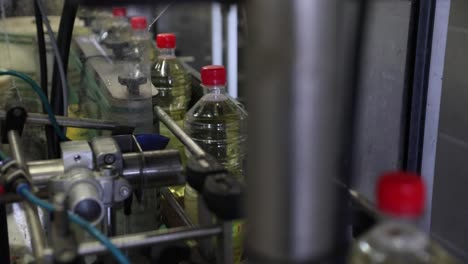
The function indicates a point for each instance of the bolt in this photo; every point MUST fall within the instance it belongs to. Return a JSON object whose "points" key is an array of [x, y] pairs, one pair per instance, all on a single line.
{"points": [[109, 159], [124, 191], [77, 158]]}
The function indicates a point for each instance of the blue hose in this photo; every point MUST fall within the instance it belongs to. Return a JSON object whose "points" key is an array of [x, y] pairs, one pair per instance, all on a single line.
{"points": [[23, 190], [43, 98]]}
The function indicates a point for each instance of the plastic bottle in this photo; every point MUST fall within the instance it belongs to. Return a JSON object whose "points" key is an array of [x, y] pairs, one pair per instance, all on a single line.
{"points": [[141, 39], [217, 124], [100, 21], [173, 84], [400, 195], [118, 27], [133, 91]]}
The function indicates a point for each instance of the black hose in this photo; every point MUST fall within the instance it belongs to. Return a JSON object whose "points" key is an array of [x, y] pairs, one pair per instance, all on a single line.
{"points": [[42, 49], [65, 32], [43, 68]]}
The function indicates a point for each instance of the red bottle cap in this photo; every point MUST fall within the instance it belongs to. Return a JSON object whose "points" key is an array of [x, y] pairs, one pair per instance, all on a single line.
{"points": [[401, 194], [119, 11], [138, 22], [2, 190], [213, 75], [166, 41]]}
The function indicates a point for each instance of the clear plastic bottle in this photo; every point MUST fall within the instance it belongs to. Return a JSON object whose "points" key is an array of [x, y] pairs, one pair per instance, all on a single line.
{"points": [[173, 84], [400, 195], [101, 21], [133, 89], [141, 38], [217, 124], [118, 28]]}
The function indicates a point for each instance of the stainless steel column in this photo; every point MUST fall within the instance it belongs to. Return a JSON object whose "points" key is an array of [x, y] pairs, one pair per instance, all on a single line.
{"points": [[296, 117], [15, 147]]}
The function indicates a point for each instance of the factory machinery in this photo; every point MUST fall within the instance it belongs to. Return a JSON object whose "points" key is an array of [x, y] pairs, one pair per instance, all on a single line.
{"points": [[97, 175], [299, 203]]}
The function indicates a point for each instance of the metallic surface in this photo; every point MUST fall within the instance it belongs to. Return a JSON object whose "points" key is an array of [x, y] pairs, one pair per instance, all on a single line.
{"points": [[378, 137], [164, 168], [448, 220], [295, 139], [85, 201], [224, 253], [42, 171], [84, 192], [41, 119], [419, 64], [434, 94], [179, 133], [38, 241], [107, 152], [161, 168], [109, 223], [176, 206], [150, 238], [77, 154], [15, 147], [112, 184], [61, 237]]}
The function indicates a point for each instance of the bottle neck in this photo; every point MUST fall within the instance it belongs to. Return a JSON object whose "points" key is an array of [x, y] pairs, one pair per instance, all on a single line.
{"points": [[140, 34], [167, 53], [121, 19], [215, 89], [412, 220]]}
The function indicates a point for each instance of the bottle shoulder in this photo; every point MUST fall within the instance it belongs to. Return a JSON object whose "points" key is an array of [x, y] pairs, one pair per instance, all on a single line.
{"points": [[393, 242], [216, 106], [164, 65]]}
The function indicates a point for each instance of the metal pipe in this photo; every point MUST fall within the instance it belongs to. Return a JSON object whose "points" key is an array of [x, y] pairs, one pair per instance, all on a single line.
{"points": [[15, 147], [162, 166], [224, 253], [176, 206], [295, 134], [150, 238], [41, 119], [41, 171], [36, 231], [179, 133], [110, 223]]}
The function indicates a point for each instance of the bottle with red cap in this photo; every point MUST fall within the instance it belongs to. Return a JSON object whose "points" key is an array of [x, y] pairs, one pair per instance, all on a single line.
{"points": [[173, 84], [118, 28], [401, 198], [140, 39], [217, 123]]}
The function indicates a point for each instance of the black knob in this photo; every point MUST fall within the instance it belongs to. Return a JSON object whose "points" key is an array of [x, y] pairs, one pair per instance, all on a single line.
{"points": [[223, 195], [198, 169]]}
